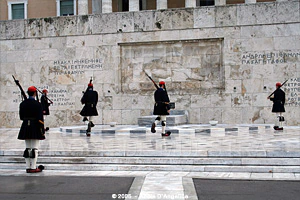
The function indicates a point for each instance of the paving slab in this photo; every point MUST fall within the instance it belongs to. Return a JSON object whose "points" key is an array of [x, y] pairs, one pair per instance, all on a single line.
{"points": [[246, 189], [64, 187]]}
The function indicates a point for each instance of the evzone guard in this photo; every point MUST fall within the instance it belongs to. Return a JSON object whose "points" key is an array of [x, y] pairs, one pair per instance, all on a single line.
{"points": [[32, 129], [161, 108], [278, 98], [45, 104], [90, 100]]}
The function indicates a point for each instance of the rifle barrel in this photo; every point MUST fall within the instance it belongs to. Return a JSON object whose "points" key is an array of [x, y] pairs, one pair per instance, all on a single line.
{"points": [[45, 96], [278, 87], [20, 87], [151, 80]]}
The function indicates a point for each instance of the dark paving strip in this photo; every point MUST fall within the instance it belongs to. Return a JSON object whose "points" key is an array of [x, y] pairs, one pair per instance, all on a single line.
{"points": [[212, 189], [63, 187]]}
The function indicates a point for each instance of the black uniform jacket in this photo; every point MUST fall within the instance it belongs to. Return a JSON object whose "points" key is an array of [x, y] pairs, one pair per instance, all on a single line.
{"points": [[45, 105], [278, 101], [89, 99], [161, 105], [31, 113]]}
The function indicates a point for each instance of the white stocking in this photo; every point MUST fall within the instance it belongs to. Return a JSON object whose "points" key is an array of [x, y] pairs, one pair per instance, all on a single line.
{"points": [[32, 145], [163, 120]]}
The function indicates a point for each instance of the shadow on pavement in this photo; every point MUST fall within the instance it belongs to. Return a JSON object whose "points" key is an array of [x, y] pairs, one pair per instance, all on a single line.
{"points": [[209, 189], [63, 188]]}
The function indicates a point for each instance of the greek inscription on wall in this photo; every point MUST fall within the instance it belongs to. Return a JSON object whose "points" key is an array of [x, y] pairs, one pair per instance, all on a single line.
{"points": [[59, 97], [74, 67], [276, 57], [292, 89]]}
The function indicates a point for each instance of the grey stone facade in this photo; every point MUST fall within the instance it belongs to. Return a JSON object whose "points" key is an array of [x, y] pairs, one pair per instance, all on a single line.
{"points": [[219, 62]]}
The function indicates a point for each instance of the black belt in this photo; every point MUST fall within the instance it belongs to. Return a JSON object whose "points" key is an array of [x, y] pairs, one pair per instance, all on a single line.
{"points": [[29, 119], [162, 102]]}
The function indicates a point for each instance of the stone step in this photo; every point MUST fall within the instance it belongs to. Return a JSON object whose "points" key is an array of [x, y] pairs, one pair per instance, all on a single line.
{"points": [[159, 161], [176, 117], [160, 154], [204, 129], [181, 168]]}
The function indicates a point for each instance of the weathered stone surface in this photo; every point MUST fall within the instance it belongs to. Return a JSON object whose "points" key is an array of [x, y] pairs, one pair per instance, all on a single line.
{"points": [[174, 19], [143, 21], [2, 31], [288, 11], [204, 17], [14, 29], [226, 16], [105, 23], [125, 22]]}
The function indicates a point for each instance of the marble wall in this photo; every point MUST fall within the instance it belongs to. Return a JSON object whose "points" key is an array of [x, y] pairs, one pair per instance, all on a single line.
{"points": [[218, 62]]}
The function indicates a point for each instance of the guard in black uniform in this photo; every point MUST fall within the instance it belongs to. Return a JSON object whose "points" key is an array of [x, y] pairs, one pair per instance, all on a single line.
{"points": [[90, 100], [45, 105], [278, 106], [32, 130], [161, 108]]}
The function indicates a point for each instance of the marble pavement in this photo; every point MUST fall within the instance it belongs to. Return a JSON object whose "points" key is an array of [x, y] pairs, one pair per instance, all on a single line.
{"points": [[170, 183]]}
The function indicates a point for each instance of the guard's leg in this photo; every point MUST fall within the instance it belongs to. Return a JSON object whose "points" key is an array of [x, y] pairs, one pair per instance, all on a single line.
{"points": [[26, 154], [164, 125], [91, 121], [276, 124], [47, 128], [157, 119], [89, 128], [32, 145], [281, 121], [34, 153]]}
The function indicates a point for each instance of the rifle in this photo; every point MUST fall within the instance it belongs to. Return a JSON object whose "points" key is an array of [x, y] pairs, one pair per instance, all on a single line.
{"points": [[278, 87], [91, 80], [45, 96], [24, 97], [172, 104], [37, 96], [151, 80]]}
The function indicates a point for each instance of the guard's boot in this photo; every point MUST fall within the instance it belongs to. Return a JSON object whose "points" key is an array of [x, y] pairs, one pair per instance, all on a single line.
{"points": [[88, 130], [153, 128], [88, 133], [37, 170], [279, 128], [166, 134]]}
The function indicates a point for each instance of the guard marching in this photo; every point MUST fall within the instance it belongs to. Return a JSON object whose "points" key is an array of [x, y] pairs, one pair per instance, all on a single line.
{"points": [[45, 105], [161, 108], [90, 100], [278, 106]]}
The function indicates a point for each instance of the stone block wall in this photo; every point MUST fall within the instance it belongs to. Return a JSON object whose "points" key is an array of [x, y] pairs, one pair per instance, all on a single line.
{"points": [[219, 62]]}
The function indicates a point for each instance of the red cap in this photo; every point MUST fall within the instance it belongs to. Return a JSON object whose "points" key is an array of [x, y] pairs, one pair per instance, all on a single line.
{"points": [[31, 89], [278, 84], [90, 85], [161, 83], [45, 91]]}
